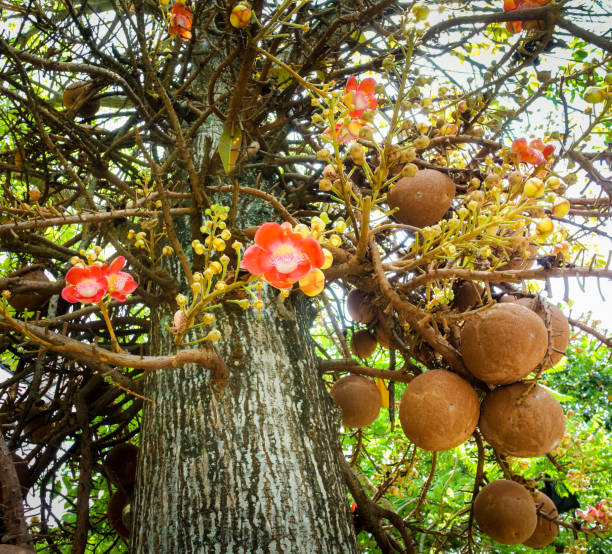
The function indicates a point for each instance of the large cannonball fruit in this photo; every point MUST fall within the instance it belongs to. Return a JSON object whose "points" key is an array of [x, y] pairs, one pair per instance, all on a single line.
{"points": [[546, 530], [29, 300], [120, 464], [506, 512], [422, 200], [467, 294], [503, 344], [529, 428], [363, 344], [73, 93], [359, 399], [358, 304], [559, 328], [439, 410], [114, 513]]}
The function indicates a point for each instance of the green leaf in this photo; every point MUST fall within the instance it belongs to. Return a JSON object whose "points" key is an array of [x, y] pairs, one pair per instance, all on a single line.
{"points": [[229, 147]]}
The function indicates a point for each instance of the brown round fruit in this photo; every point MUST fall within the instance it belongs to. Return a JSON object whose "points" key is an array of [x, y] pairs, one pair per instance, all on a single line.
{"points": [[72, 95], [114, 512], [506, 512], [39, 425], [503, 344], [382, 335], [560, 330], [120, 464], [523, 427], [422, 200], [363, 344], [546, 530], [31, 301], [467, 294], [359, 399], [439, 410], [359, 306]]}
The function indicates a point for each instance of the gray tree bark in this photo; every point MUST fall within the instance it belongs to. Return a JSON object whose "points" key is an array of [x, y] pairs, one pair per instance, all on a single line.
{"points": [[253, 469]]}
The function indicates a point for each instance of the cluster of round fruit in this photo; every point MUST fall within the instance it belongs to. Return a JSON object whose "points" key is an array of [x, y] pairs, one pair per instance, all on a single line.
{"points": [[440, 410], [120, 468]]}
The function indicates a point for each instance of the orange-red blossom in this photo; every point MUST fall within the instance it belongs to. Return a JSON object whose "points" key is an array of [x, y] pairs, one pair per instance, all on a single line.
{"points": [[511, 5], [90, 284], [358, 97], [535, 153], [181, 20], [284, 257]]}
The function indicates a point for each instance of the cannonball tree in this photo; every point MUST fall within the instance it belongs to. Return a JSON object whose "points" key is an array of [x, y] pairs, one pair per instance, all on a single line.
{"points": [[213, 214]]}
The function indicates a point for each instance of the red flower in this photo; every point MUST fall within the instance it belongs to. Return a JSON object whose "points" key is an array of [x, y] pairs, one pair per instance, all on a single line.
{"points": [[120, 283], [360, 97], [85, 284], [282, 256], [594, 513], [182, 18], [535, 153], [511, 5], [347, 132]]}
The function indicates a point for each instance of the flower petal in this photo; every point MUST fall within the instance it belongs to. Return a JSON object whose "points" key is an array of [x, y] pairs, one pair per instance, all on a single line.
{"points": [[69, 294], [269, 235], [116, 265], [367, 86], [351, 84], [313, 251], [256, 260]]}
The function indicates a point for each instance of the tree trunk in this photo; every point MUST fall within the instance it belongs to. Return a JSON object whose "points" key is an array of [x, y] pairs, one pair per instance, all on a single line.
{"points": [[251, 469]]}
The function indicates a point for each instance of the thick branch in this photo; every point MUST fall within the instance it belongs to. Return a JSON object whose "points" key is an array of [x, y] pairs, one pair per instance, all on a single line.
{"points": [[504, 276], [352, 366], [71, 348]]}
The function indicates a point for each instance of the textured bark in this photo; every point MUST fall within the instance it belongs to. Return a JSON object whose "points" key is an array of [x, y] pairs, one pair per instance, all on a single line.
{"points": [[253, 469]]}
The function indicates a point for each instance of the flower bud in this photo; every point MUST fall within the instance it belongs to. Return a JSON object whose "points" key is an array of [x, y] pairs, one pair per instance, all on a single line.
{"points": [[421, 142], [357, 153], [408, 155], [329, 259], [533, 187], [317, 224], [544, 227], [409, 170], [515, 178], [594, 95], [34, 194], [323, 155], [208, 318], [366, 133], [218, 244], [561, 207], [215, 267], [241, 15], [181, 300], [213, 335], [179, 321], [313, 283]]}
